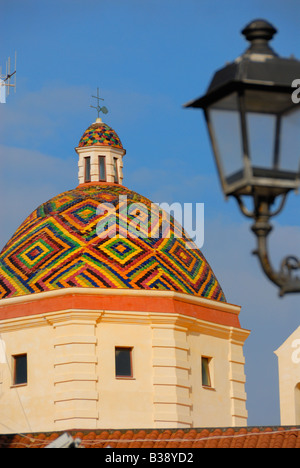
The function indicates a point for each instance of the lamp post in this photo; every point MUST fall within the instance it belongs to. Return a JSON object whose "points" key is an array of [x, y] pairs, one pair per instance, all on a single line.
{"points": [[254, 128]]}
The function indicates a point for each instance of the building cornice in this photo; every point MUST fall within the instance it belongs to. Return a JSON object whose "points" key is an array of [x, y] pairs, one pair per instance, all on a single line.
{"points": [[209, 303], [112, 302]]}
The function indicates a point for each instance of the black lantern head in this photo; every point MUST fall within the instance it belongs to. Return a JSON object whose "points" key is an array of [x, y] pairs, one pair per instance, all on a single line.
{"points": [[253, 123]]}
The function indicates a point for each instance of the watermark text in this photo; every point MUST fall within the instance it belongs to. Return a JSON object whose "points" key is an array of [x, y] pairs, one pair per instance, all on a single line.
{"points": [[296, 93], [296, 353], [136, 220]]}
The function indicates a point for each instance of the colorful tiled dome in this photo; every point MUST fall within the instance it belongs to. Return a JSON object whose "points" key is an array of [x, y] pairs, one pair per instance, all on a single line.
{"points": [[99, 134], [58, 246]]}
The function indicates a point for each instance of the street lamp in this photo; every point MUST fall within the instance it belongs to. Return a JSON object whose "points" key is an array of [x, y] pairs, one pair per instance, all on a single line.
{"points": [[254, 128]]}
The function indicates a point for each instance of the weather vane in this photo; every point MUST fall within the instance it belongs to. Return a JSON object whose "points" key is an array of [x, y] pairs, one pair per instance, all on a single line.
{"points": [[98, 107], [5, 83]]}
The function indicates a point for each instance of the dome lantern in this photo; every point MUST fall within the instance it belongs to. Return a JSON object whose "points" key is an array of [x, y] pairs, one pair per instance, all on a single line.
{"points": [[100, 154]]}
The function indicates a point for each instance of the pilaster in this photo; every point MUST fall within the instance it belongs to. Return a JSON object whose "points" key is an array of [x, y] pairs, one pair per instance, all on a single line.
{"points": [[171, 384], [75, 374], [237, 378]]}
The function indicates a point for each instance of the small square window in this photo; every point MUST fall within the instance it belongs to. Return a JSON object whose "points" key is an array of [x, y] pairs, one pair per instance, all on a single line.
{"points": [[206, 375], [20, 369], [123, 361]]}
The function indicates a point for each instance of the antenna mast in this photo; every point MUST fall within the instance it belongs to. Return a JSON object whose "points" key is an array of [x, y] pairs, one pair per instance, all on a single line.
{"points": [[5, 80]]}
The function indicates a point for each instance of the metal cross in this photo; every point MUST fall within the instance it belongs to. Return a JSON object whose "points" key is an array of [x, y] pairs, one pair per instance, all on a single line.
{"points": [[98, 107]]}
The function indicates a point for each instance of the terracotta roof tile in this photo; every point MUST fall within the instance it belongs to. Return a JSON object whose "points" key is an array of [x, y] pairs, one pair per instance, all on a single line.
{"points": [[150, 436], [240, 440], [244, 437]]}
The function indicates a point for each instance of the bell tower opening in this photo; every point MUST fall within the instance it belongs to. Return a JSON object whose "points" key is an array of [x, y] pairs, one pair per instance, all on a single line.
{"points": [[102, 169], [87, 169]]}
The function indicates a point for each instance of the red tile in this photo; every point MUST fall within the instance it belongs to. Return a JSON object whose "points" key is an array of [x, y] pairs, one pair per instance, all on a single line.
{"points": [[263, 437]]}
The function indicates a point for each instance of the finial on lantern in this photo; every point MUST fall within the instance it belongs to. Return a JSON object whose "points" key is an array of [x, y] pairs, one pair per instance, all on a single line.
{"points": [[98, 107]]}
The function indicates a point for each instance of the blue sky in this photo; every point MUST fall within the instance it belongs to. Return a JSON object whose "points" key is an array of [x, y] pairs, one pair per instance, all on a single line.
{"points": [[148, 57]]}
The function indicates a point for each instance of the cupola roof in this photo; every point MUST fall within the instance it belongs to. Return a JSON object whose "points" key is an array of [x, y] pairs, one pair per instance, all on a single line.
{"points": [[100, 134]]}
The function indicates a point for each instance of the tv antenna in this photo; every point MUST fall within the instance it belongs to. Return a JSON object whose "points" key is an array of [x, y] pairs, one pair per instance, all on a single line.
{"points": [[5, 80], [98, 107]]}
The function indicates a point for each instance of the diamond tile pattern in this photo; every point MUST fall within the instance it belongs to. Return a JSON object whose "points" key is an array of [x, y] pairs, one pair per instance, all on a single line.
{"points": [[59, 246], [100, 134]]}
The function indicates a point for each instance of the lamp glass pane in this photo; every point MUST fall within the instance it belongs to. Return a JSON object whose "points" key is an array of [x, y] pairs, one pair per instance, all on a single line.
{"points": [[225, 119], [261, 130], [273, 123], [290, 140]]}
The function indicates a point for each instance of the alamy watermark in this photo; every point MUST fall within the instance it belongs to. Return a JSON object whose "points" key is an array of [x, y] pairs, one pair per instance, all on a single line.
{"points": [[296, 353], [136, 220], [296, 93]]}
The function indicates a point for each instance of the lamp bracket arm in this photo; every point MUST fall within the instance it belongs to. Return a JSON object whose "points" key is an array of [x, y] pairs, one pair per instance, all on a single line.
{"points": [[243, 208], [257, 206], [284, 278], [280, 207]]}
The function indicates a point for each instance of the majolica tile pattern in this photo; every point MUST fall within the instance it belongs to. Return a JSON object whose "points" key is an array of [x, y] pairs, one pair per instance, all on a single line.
{"points": [[100, 134], [59, 246]]}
